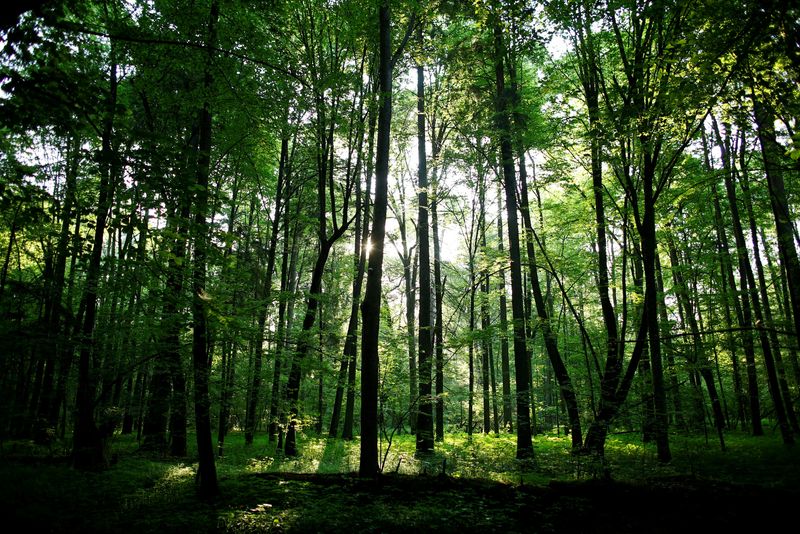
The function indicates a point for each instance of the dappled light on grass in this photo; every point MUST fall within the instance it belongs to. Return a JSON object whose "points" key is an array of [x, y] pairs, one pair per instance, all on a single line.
{"points": [[178, 472], [260, 465], [487, 457], [261, 490]]}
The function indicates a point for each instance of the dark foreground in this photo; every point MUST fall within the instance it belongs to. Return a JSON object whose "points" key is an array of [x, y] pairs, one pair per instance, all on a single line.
{"points": [[289, 502]]}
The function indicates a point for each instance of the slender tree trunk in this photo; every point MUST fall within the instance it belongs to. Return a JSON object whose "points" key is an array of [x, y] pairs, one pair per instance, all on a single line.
{"points": [[167, 365], [321, 379], [493, 381], [767, 310], [483, 281], [89, 450], [225, 394], [672, 374], [325, 186], [424, 443], [285, 314], [439, 319], [560, 370], [370, 307], [471, 350], [699, 361], [71, 332], [54, 334], [265, 295], [647, 233], [729, 290], [486, 349], [359, 254], [784, 306], [409, 261], [201, 362], [505, 368], [349, 412], [772, 152], [749, 283], [304, 345], [745, 281], [614, 348], [521, 361]]}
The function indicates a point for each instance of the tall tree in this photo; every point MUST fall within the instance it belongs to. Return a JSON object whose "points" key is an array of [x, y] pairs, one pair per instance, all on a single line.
{"points": [[88, 448], [265, 294], [424, 443], [521, 362], [201, 363], [370, 307]]}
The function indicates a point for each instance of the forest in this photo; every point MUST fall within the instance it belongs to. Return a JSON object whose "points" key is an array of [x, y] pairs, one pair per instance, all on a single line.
{"points": [[361, 265]]}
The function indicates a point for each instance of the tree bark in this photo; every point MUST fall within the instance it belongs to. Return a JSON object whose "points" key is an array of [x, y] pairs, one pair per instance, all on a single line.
{"points": [[424, 442], [505, 368], [438, 328], [88, 449], [771, 152], [347, 427], [371, 306], [767, 310], [201, 362], [752, 290], [521, 361]]}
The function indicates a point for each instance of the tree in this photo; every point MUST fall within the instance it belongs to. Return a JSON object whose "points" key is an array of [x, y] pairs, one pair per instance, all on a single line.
{"points": [[370, 306], [206, 472], [425, 433], [89, 450], [521, 362]]}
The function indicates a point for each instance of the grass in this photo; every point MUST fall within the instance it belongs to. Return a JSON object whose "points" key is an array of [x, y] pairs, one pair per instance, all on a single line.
{"points": [[263, 491]]}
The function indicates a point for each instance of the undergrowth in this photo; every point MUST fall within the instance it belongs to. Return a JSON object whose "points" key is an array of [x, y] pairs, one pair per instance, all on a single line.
{"points": [[144, 492]]}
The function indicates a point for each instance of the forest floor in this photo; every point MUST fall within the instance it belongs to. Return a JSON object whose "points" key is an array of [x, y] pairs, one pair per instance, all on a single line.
{"points": [[467, 486]]}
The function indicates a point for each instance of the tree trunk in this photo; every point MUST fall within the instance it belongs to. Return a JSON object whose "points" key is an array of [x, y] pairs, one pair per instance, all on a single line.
{"points": [[647, 234], [201, 362], [767, 310], [265, 296], [304, 345], [698, 361], [747, 283], [424, 442], [89, 451], [521, 361], [784, 306], [71, 332], [471, 350], [672, 374], [349, 413], [371, 306], [409, 279], [168, 364], [772, 152], [288, 277], [349, 354], [325, 186], [566, 388], [438, 328], [505, 368], [56, 337], [226, 375], [486, 349], [729, 295]]}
